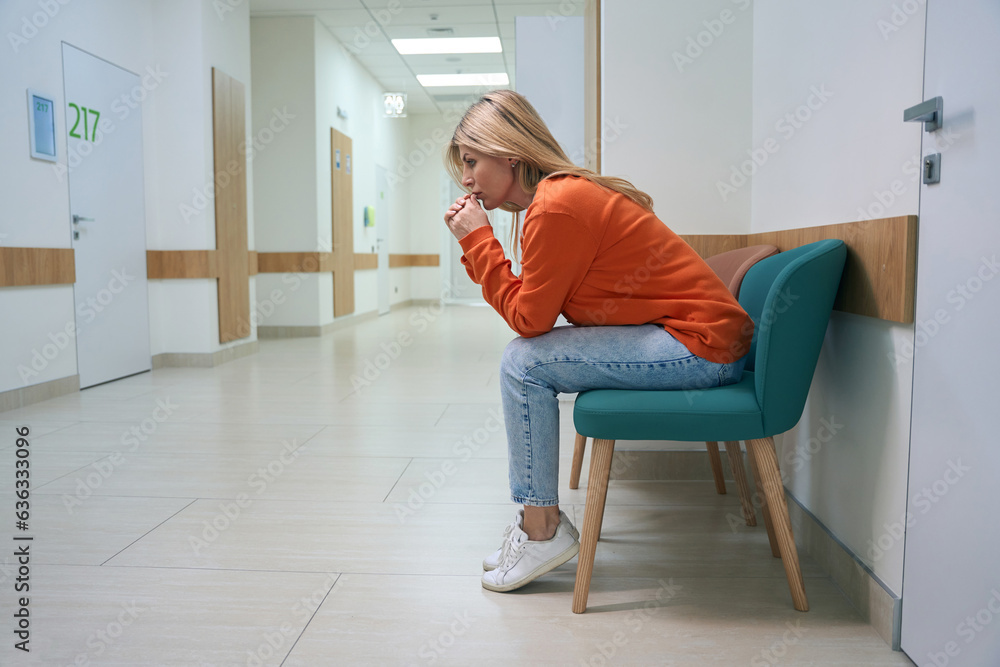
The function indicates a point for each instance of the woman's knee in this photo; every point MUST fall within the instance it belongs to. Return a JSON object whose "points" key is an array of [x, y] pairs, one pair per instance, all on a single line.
{"points": [[518, 358]]}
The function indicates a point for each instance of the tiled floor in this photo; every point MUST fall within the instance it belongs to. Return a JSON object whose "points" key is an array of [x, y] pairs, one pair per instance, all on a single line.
{"points": [[266, 513]]}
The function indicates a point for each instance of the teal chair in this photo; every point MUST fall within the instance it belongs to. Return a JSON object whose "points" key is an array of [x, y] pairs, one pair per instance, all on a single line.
{"points": [[731, 267], [789, 296]]}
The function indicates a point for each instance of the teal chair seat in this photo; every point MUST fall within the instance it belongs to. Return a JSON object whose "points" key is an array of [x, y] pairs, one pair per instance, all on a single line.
{"points": [[611, 414], [789, 296]]}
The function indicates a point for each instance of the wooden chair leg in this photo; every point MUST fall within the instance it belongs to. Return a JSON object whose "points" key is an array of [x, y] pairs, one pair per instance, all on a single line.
{"points": [[740, 475], [764, 509], [574, 473], [770, 479], [716, 462], [593, 517]]}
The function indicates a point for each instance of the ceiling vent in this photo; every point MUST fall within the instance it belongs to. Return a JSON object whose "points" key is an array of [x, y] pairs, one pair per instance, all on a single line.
{"points": [[440, 32]]}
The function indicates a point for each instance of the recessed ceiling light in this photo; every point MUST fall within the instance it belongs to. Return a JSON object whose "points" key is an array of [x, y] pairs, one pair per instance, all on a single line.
{"points": [[440, 80], [409, 47]]}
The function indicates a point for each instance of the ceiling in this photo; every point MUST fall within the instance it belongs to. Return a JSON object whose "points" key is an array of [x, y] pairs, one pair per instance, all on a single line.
{"points": [[366, 26]]}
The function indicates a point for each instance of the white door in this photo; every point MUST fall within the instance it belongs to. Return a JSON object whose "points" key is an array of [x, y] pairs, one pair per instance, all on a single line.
{"points": [[383, 214], [104, 158], [951, 571]]}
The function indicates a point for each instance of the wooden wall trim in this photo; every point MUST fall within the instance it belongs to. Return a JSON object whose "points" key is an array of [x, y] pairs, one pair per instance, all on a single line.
{"points": [[880, 274], [365, 260], [20, 267], [228, 139], [252, 262], [369, 260], [592, 84], [397, 261], [170, 264], [294, 262]]}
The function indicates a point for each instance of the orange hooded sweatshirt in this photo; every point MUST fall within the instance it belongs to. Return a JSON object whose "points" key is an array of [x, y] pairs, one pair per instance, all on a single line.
{"points": [[598, 258]]}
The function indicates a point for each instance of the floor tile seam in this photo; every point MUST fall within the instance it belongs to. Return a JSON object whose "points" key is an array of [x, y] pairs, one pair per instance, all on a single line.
{"points": [[372, 573], [136, 540], [60, 429], [192, 569], [372, 502], [37, 490], [441, 416], [394, 484], [340, 573], [307, 623]]}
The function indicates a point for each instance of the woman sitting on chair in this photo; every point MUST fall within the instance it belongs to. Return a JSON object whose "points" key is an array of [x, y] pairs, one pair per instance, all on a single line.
{"points": [[648, 313]]}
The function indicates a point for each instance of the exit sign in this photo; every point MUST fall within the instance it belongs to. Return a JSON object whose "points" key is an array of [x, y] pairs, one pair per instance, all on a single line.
{"points": [[395, 105]]}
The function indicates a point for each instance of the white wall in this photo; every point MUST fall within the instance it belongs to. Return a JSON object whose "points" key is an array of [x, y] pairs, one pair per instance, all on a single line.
{"points": [[852, 151], [298, 63], [672, 127], [418, 171], [285, 186], [189, 39], [556, 90]]}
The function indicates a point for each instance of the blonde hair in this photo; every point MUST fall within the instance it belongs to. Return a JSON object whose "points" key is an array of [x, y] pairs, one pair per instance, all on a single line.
{"points": [[504, 124]]}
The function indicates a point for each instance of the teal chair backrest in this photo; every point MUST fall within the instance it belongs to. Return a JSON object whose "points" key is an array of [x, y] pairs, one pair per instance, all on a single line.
{"points": [[789, 296]]}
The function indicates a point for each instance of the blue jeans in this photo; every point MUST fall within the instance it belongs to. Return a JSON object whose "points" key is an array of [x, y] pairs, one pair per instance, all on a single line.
{"points": [[571, 359]]}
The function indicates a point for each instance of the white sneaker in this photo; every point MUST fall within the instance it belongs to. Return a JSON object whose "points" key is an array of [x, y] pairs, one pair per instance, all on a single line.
{"points": [[523, 560], [491, 561]]}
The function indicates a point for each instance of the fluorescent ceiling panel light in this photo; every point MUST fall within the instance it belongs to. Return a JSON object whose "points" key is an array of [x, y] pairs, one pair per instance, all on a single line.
{"points": [[440, 80], [438, 45]]}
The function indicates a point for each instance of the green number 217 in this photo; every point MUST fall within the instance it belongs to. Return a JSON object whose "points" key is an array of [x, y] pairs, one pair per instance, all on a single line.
{"points": [[89, 130]]}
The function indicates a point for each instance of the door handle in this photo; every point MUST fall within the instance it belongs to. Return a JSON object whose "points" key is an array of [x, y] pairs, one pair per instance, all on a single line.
{"points": [[930, 113], [77, 219]]}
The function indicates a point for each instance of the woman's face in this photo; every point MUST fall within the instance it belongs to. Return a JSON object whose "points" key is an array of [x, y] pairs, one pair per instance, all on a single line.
{"points": [[490, 179]]}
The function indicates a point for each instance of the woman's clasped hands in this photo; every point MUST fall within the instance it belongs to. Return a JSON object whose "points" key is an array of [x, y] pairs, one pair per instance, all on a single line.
{"points": [[465, 215]]}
